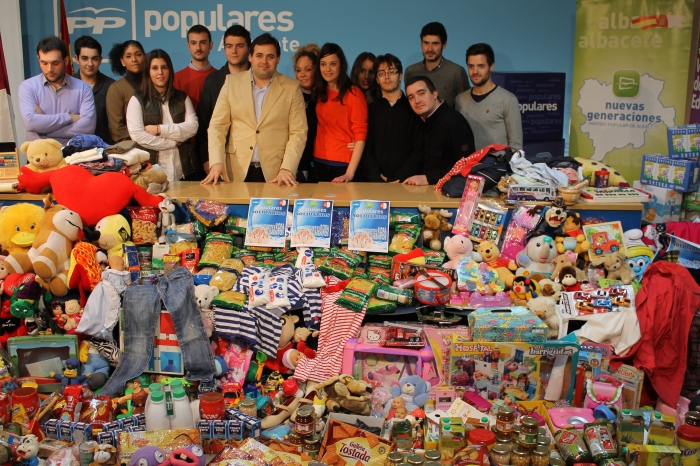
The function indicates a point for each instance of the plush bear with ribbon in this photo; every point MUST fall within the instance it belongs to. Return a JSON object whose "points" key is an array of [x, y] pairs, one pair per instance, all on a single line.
{"points": [[98, 196]]}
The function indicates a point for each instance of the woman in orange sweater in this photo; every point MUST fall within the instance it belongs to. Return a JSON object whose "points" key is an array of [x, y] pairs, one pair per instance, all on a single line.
{"points": [[341, 109]]}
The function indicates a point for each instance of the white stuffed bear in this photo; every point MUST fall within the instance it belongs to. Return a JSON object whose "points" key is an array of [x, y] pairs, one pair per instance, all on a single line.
{"points": [[204, 294]]}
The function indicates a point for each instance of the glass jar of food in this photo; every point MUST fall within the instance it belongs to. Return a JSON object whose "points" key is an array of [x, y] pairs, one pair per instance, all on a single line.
{"points": [[296, 442], [540, 456], [529, 430], [394, 459], [401, 433], [415, 460], [505, 419], [544, 441], [312, 445], [692, 418], [304, 424], [500, 454], [520, 456], [505, 439], [432, 455], [553, 461], [248, 407]]}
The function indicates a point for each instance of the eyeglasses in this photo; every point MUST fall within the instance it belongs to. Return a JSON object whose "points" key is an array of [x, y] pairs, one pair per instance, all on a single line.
{"points": [[391, 72]]}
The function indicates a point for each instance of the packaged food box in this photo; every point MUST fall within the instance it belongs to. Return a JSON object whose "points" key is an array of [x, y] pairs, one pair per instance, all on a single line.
{"points": [[684, 141], [344, 445], [665, 172], [653, 455]]}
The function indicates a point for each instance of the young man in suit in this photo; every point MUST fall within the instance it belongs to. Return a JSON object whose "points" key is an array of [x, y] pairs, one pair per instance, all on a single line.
{"points": [[264, 115]]}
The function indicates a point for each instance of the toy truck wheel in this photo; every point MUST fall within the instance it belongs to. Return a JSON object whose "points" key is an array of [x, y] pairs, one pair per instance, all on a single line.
{"points": [[614, 248]]}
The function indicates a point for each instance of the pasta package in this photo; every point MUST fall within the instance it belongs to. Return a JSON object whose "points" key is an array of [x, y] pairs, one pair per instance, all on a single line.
{"points": [[181, 242], [143, 225], [217, 248], [227, 275], [380, 306], [398, 218], [436, 258], [356, 294], [341, 263], [210, 213], [232, 300], [236, 225], [346, 445], [405, 238]]}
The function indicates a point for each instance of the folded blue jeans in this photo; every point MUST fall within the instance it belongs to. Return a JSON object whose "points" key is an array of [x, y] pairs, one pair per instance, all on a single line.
{"points": [[141, 307]]}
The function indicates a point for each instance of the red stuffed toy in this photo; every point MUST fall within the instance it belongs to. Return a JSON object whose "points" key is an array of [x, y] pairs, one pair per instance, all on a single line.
{"points": [[92, 197], [10, 326], [85, 272]]}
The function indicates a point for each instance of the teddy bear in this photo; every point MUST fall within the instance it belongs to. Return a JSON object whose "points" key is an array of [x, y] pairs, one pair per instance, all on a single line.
{"points": [[566, 260], [204, 294], [545, 307], [537, 256], [72, 315], [19, 225], [43, 155], [49, 256], [413, 390], [345, 393], [616, 266], [153, 181], [551, 289], [434, 222], [458, 248], [488, 252], [572, 229]]}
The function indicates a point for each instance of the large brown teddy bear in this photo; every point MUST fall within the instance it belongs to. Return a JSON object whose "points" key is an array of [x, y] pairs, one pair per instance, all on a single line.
{"points": [[616, 266], [345, 393], [49, 257], [43, 155]]}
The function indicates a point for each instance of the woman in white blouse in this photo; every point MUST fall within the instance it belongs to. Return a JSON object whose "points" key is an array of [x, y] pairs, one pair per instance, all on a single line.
{"points": [[162, 120]]}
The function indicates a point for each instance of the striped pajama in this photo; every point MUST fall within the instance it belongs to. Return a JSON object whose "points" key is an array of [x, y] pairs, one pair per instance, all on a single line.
{"points": [[338, 325]]}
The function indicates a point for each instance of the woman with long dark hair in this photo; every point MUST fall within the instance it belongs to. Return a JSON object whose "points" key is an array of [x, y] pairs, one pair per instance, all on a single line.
{"points": [[341, 110], [162, 120], [304, 62], [362, 75], [126, 59]]}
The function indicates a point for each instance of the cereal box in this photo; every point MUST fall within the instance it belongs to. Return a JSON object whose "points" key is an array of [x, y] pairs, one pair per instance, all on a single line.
{"points": [[344, 445], [513, 324], [515, 371]]}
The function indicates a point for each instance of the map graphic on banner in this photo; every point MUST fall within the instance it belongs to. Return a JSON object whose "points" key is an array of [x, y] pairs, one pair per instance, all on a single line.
{"points": [[631, 65]]}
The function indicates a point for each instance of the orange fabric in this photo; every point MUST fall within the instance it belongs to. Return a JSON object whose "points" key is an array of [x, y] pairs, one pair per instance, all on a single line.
{"points": [[339, 124], [191, 82]]}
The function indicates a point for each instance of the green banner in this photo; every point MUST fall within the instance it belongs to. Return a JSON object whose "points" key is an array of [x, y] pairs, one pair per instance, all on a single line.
{"points": [[631, 64]]}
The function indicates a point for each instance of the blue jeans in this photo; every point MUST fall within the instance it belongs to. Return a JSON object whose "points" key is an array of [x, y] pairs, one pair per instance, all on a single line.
{"points": [[141, 307]]}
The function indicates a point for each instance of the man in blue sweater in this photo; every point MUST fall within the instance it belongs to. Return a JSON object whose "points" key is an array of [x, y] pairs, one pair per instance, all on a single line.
{"points": [[54, 104]]}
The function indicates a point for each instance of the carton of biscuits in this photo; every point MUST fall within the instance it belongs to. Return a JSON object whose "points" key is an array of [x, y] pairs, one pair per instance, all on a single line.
{"points": [[346, 445]]}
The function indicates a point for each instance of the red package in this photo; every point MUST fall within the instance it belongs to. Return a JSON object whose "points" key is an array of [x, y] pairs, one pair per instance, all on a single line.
{"points": [[73, 397], [144, 221], [97, 411]]}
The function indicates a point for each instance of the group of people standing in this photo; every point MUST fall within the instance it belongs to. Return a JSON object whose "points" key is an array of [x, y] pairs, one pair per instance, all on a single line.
{"points": [[248, 122]]}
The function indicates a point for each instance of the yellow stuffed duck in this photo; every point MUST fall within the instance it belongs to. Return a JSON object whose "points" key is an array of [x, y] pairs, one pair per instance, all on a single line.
{"points": [[19, 225]]}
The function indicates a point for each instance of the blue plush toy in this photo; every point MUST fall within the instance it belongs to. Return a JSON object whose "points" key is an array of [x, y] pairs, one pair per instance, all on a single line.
{"points": [[414, 391], [70, 374]]}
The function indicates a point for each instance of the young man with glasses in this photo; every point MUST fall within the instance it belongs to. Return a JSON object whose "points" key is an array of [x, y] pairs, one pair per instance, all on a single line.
{"points": [[449, 78], [394, 148]]}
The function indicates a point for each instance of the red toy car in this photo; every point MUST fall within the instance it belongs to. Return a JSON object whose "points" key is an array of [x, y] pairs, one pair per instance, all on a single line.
{"points": [[403, 337], [233, 394]]}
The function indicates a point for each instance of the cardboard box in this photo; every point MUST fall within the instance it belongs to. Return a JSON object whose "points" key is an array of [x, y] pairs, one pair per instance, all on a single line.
{"points": [[653, 455], [440, 341], [382, 370], [351, 419], [684, 141], [507, 325], [632, 379], [664, 206], [166, 357], [665, 172], [497, 370]]}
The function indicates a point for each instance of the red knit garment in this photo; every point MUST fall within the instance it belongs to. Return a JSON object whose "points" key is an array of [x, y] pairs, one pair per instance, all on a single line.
{"points": [[191, 82], [666, 305], [465, 164]]}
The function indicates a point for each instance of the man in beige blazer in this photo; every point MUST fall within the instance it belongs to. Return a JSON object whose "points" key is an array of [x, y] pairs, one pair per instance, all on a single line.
{"points": [[264, 115]]}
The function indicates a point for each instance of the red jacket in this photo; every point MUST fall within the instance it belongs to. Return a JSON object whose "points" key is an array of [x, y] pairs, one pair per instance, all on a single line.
{"points": [[666, 305]]}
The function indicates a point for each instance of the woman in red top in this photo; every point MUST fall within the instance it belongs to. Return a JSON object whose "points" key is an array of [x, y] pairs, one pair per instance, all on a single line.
{"points": [[341, 109]]}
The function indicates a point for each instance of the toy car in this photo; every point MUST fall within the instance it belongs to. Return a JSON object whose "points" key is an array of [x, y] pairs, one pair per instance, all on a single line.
{"points": [[400, 336], [622, 301], [602, 294], [602, 303], [584, 306], [617, 291], [582, 295], [233, 394]]}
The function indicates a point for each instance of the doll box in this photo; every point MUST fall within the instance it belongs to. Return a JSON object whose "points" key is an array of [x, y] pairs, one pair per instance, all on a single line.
{"points": [[515, 371], [37, 356], [440, 340], [509, 324], [383, 370], [632, 380]]}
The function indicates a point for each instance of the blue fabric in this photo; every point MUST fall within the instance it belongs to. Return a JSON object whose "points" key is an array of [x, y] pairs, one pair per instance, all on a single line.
{"points": [[141, 307], [87, 141]]}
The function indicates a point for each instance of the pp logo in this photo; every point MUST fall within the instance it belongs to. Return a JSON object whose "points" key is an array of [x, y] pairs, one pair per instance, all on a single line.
{"points": [[98, 23], [626, 83]]}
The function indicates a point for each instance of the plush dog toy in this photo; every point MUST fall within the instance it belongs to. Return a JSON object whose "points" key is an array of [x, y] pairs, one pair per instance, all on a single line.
{"points": [[616, 266], [98, 196], [49, 256]]}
